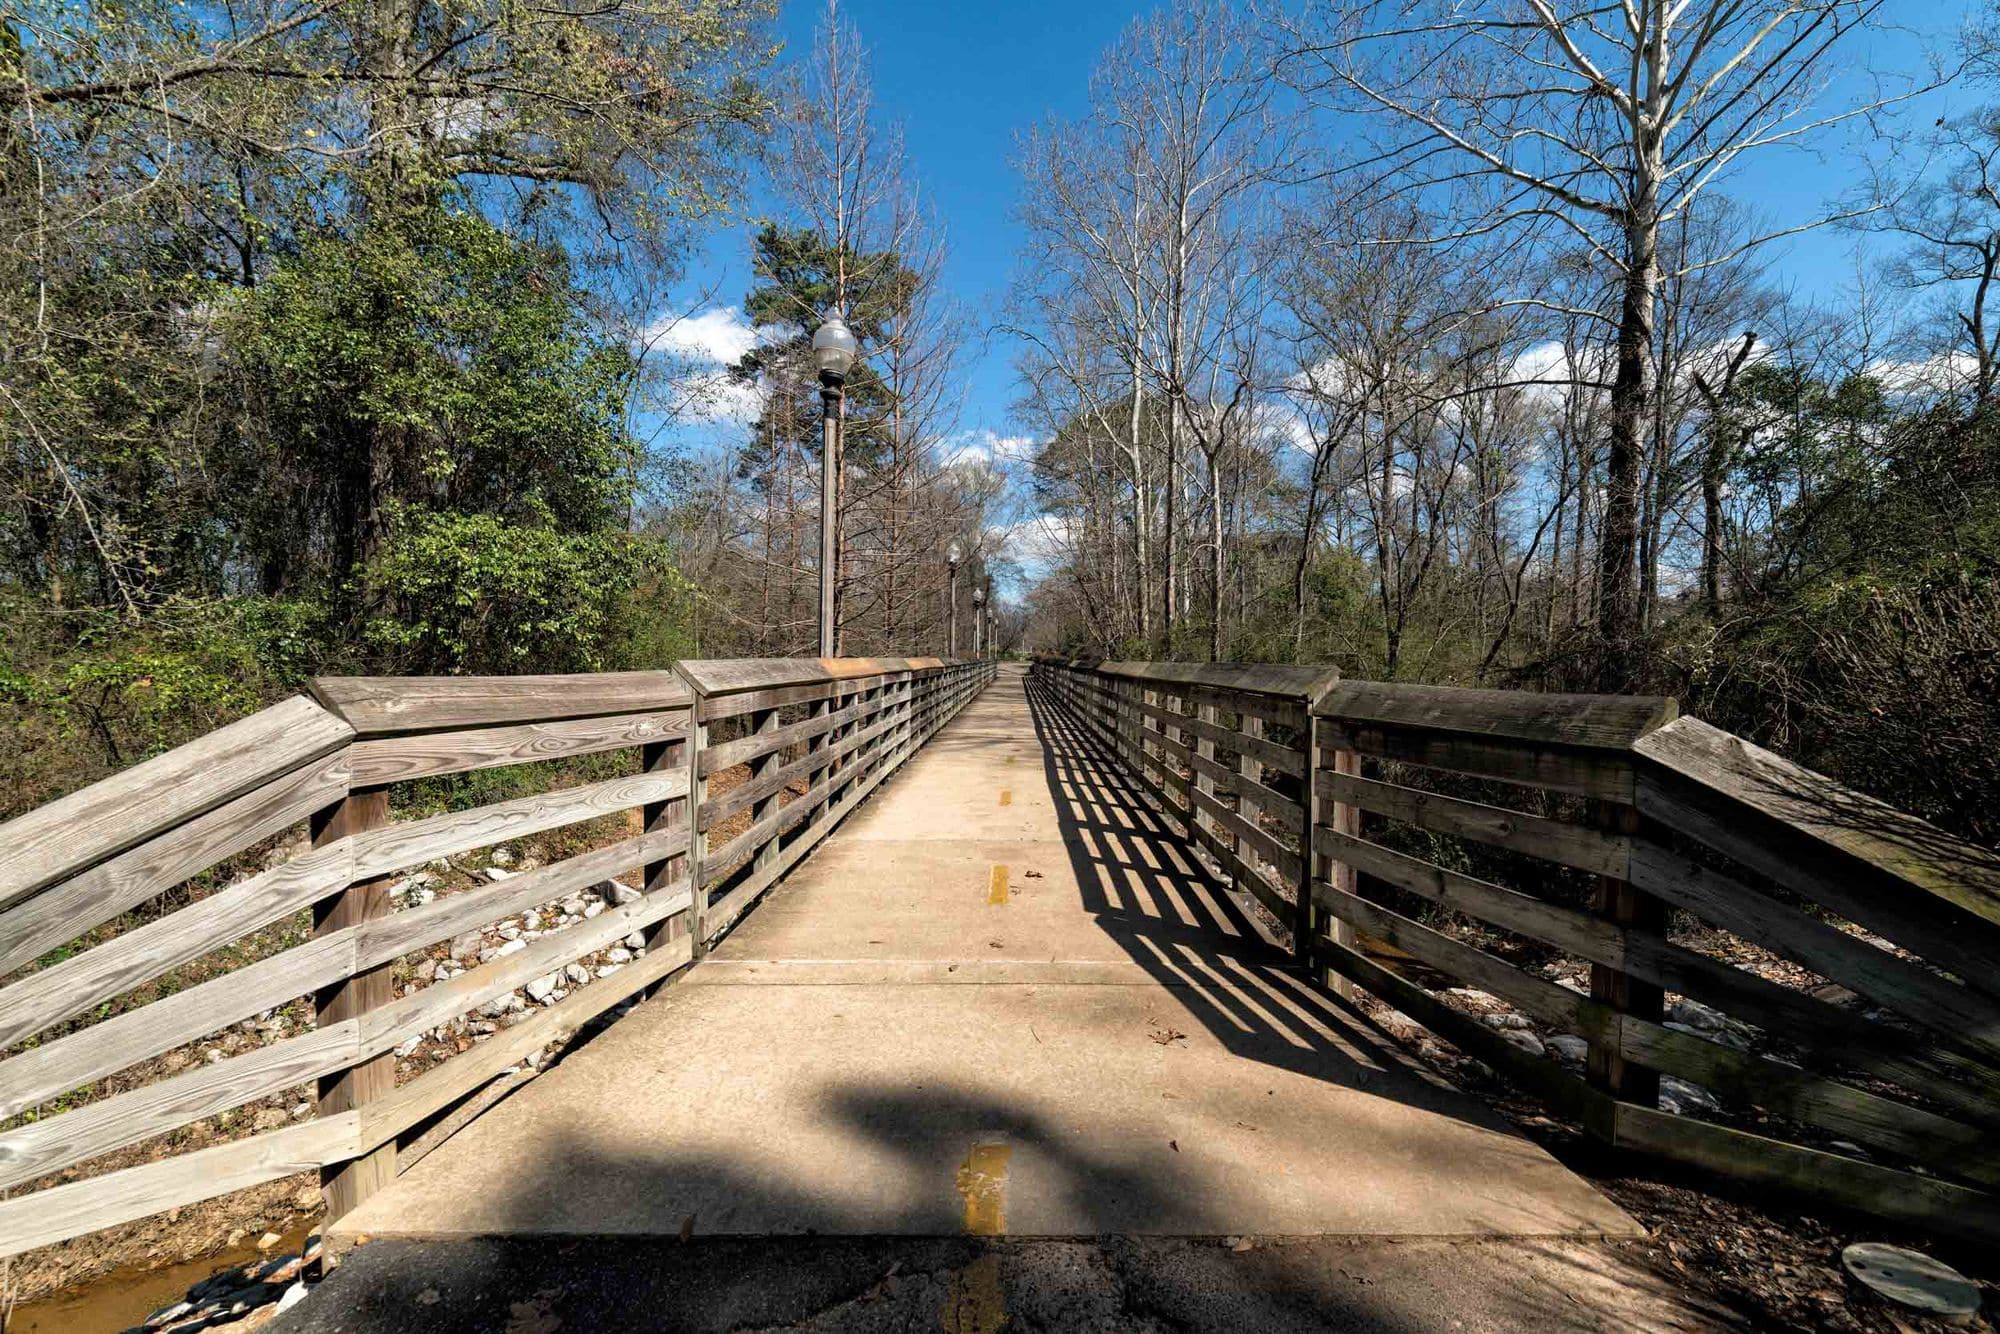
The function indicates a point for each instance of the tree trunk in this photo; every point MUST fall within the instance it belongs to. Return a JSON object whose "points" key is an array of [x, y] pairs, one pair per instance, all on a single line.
{"points": [[1631, 397]]}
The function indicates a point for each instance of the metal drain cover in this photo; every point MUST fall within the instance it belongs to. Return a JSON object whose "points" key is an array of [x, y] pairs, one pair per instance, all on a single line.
{"points": [[1912, 1279]]}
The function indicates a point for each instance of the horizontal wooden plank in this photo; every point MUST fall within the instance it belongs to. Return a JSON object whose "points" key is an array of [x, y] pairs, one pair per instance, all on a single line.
{"points": [[728, 754], [440, 1002], [65, 911], [1956, 1014], [1586, 722], [442, 1085], [86, 980], [383, 939], [412, 843], [715, 708], [1264, 843], [1537, 997], [66, 1211], [1232, 780], [1563, 1091], [1606, 774], [1898, 876], [377, 705], [72, 833], [401, 757], [1558, 841], [1301, 683], [1882, 1123], [43, 1072], [55, 1142], [1285, 759], [1579, 933], [717, 809], [1837, 1037], [1936, 1206]]}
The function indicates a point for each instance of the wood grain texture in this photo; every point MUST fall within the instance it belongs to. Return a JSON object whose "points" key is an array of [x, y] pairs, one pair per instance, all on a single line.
{"points": [[86, 980], [417, 841], [1885, 1192], [65, 911], [72, 833], [1556, 1006], [1589, 722], [53, 1068], [405, 1016], [400, 933], [440, 1087], [1304, 684], [1606, 774], [1956, 1014], [1563, 1091], [1595, 850], [1738, 1077], [400, 758], [346, 1184], [1894, 874], [379, 705], [49, 1216], [55, 1142]]}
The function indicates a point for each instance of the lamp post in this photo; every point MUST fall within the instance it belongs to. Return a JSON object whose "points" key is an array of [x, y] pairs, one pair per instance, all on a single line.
{"points": [[978, 621], [833, 348], [953, 554]]}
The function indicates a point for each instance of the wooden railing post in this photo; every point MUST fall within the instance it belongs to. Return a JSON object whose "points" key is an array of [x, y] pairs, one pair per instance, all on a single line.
{"points": [[761, 722], [1343, 818], [1636, 913], [346, 1184], [697, 853], [657, 817]]}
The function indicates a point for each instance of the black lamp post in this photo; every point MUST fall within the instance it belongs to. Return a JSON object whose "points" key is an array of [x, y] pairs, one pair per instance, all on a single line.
{"points": [[953, 554], [833, 348], [978, 621]]}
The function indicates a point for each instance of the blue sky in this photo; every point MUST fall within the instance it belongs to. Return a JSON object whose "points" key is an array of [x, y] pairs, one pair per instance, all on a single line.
{"points": [[963, 80]]}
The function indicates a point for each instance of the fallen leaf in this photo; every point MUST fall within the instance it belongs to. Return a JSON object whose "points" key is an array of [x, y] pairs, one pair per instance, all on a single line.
{"points": [[687, 1228], [428, 1297], [1174, 1144], [1243, 1244], [1032, 875]]}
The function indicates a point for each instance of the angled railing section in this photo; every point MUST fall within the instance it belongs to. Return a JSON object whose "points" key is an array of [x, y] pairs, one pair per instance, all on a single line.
{"points": [[125, 986], [1831, 962]]}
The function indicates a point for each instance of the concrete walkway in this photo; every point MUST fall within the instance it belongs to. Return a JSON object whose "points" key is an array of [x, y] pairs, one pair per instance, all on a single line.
{"points": [[999, 1001]]}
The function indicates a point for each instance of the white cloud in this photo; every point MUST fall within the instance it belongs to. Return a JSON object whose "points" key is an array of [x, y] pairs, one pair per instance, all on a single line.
{"points": [[720, 335], [714, 398], [985, 445]]}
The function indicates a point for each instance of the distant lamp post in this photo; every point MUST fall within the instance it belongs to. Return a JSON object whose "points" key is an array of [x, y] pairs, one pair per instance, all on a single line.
{"points": [[992, 620], [834, 349], [953, 555], [978, 621]]}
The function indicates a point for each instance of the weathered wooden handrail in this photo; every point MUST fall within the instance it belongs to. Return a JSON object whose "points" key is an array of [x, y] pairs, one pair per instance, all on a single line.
{"points": [[72, 868], [1653, 813]]}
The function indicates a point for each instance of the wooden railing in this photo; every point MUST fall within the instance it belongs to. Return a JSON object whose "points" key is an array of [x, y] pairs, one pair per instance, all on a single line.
{"points": [[114, 963], [1834, 965]]}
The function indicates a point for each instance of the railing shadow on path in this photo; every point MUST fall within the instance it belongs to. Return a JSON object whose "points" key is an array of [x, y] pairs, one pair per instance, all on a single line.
{"points": [[1152, 896]]}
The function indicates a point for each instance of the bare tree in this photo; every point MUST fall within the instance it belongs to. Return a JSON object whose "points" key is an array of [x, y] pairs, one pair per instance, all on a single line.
{"points": [[1603, 122]]}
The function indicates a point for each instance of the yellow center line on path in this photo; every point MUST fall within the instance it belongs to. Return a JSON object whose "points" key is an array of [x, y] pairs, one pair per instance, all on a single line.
{"points": [[982, 1184], [996, 893]]}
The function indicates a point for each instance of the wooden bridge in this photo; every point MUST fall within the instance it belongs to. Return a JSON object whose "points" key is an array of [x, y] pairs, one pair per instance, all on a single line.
{"points": [[1077, 951]]}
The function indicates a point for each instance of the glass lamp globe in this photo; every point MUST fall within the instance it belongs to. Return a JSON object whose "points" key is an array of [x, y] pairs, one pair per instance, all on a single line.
{"points": [[978, 597], [954, 553], [834, 346]]}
